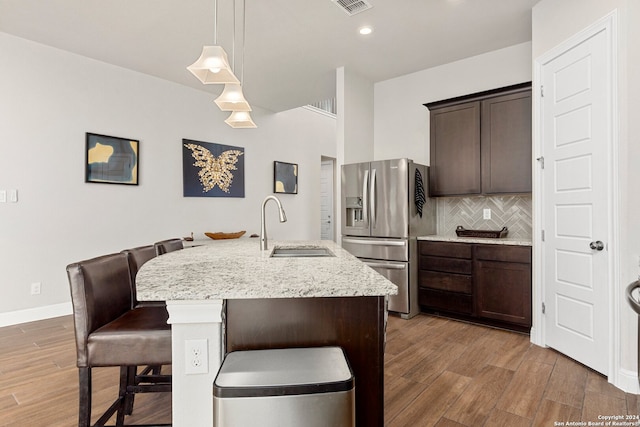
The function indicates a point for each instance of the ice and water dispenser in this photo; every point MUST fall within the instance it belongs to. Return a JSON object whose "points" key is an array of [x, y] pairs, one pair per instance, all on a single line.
{"points": [[355, 212]]}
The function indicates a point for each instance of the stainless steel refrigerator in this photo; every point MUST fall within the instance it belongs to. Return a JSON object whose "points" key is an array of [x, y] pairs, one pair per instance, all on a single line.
{"points": [[385, 206]]}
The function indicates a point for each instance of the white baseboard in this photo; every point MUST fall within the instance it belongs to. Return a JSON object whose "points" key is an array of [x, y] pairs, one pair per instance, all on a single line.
{"points": [[534, 337], [627, 381], [33, 314]]}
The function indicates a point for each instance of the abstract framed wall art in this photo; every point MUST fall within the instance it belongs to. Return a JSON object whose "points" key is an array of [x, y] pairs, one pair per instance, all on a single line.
{"points": [[212, 170], [111, 160], [285, 178]]}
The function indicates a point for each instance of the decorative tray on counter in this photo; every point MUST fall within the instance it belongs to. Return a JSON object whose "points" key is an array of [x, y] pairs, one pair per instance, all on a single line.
{"points": [[494, 234], [220, 236]]}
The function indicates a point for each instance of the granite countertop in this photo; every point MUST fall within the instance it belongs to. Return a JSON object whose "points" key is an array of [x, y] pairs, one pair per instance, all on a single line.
{"points": [[237, 269], [489, 241]]}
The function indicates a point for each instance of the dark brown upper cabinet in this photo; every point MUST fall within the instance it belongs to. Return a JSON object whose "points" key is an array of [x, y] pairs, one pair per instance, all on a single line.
{"points": [[506, 143], [481, 143], [455, 150]]}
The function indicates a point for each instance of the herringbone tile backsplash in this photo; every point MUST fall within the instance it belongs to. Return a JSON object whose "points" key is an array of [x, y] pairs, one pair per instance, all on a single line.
{"points": [[514, 212]]}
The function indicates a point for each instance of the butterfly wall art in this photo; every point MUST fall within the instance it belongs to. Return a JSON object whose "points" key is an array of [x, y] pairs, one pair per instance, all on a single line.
{"points": [[212, 170]]}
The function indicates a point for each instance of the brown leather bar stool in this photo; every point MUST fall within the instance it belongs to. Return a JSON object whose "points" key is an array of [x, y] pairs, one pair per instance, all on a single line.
{"points": [[136, 258], [109, 332], [168, 245]]}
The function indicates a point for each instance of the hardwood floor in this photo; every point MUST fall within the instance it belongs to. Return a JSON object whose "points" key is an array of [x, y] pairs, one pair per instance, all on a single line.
{"points": [[445, 373], [438, 372], [39, 380]]}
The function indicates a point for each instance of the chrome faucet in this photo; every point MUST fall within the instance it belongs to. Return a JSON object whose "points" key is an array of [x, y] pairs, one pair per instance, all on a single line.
{"points": [[263, 229]]}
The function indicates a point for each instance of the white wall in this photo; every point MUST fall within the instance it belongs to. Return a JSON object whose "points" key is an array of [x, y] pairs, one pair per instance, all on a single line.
{"points": [[355, 111], [555, 21], [401, 127], [50, 98]]}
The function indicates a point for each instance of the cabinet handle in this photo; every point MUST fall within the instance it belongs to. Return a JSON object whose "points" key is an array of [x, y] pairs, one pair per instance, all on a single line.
{"points": [[365, 197], [597, 245], [372, 198], [375, 242], [387, 266]]}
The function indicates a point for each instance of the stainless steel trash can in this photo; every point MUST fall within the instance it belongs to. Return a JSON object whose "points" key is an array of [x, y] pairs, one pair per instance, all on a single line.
{"points": [[293, 387]]}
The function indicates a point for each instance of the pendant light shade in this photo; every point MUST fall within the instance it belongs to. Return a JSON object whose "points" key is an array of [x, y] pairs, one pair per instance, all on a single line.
{"points": [[232, 99], [240, 119], [213, 67]]}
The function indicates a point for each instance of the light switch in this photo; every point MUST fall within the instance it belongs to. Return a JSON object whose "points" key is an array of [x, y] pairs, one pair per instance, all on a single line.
{"points": [[3, 196], [13, 196]]}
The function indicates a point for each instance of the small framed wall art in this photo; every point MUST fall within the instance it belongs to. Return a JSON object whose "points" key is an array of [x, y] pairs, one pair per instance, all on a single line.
{"points": [[111, 160], [285, 178]]}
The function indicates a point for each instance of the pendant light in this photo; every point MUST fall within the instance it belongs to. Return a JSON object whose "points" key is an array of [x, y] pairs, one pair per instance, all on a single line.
{"points": [[232, 98], [213, 66], [240, 120]]}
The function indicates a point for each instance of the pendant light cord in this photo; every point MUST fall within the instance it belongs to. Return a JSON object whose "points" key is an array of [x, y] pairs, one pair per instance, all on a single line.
{"points": [[233, 45], [244, 36], [215, 22]]}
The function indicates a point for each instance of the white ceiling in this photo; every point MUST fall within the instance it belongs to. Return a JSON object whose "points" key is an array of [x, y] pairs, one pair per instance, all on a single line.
{"points": [[292, 48]]}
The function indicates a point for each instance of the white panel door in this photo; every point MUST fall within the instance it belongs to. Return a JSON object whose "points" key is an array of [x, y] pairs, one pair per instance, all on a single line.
{"points": [[576, 111], [326, 201]]}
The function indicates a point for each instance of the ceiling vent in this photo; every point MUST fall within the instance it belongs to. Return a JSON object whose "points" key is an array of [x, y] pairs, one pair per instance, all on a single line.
{"points": [[351, 7]]}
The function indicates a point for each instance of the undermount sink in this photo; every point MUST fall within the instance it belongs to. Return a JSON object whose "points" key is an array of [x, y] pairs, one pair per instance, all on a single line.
{"points": [[301, 252]]}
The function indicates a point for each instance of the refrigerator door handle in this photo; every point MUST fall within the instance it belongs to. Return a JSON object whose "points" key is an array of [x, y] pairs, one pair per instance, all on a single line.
{"points": [[385, 265], [375, 242], [373, 198], [365, 197]]}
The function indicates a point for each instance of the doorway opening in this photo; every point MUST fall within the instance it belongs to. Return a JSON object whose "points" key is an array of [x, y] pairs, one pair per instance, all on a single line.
{"points": [[327, 198]]}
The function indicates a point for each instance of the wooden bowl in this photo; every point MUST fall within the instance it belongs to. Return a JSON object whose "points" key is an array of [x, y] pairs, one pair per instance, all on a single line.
{"points": [[220, 236]]}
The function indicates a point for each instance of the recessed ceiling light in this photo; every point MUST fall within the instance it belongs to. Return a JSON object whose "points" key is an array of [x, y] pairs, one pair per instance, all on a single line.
{"points": [[365, 30]]}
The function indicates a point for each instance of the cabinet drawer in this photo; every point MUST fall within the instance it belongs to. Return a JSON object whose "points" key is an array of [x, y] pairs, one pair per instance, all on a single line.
{"points": [[445, 249], [446, 301], [503, 253], [445, 281], [446, 265]]}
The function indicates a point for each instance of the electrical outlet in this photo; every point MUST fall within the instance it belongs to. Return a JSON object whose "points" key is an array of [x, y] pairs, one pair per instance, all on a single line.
{"points": [[486, 213], [3, 196], [35, 288], [196, 356]]}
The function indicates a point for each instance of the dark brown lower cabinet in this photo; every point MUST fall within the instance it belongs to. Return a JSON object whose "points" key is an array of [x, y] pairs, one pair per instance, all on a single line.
{"points": [[356, 324], [445, 277], [479, 282], [503, 283]]}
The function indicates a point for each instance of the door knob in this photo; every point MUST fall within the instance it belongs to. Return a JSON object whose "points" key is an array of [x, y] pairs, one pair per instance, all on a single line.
{"points": [[597, 245]]}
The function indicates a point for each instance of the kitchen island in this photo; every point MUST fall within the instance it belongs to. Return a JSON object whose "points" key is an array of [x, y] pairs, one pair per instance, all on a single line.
{"points": [[267, 302]]}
